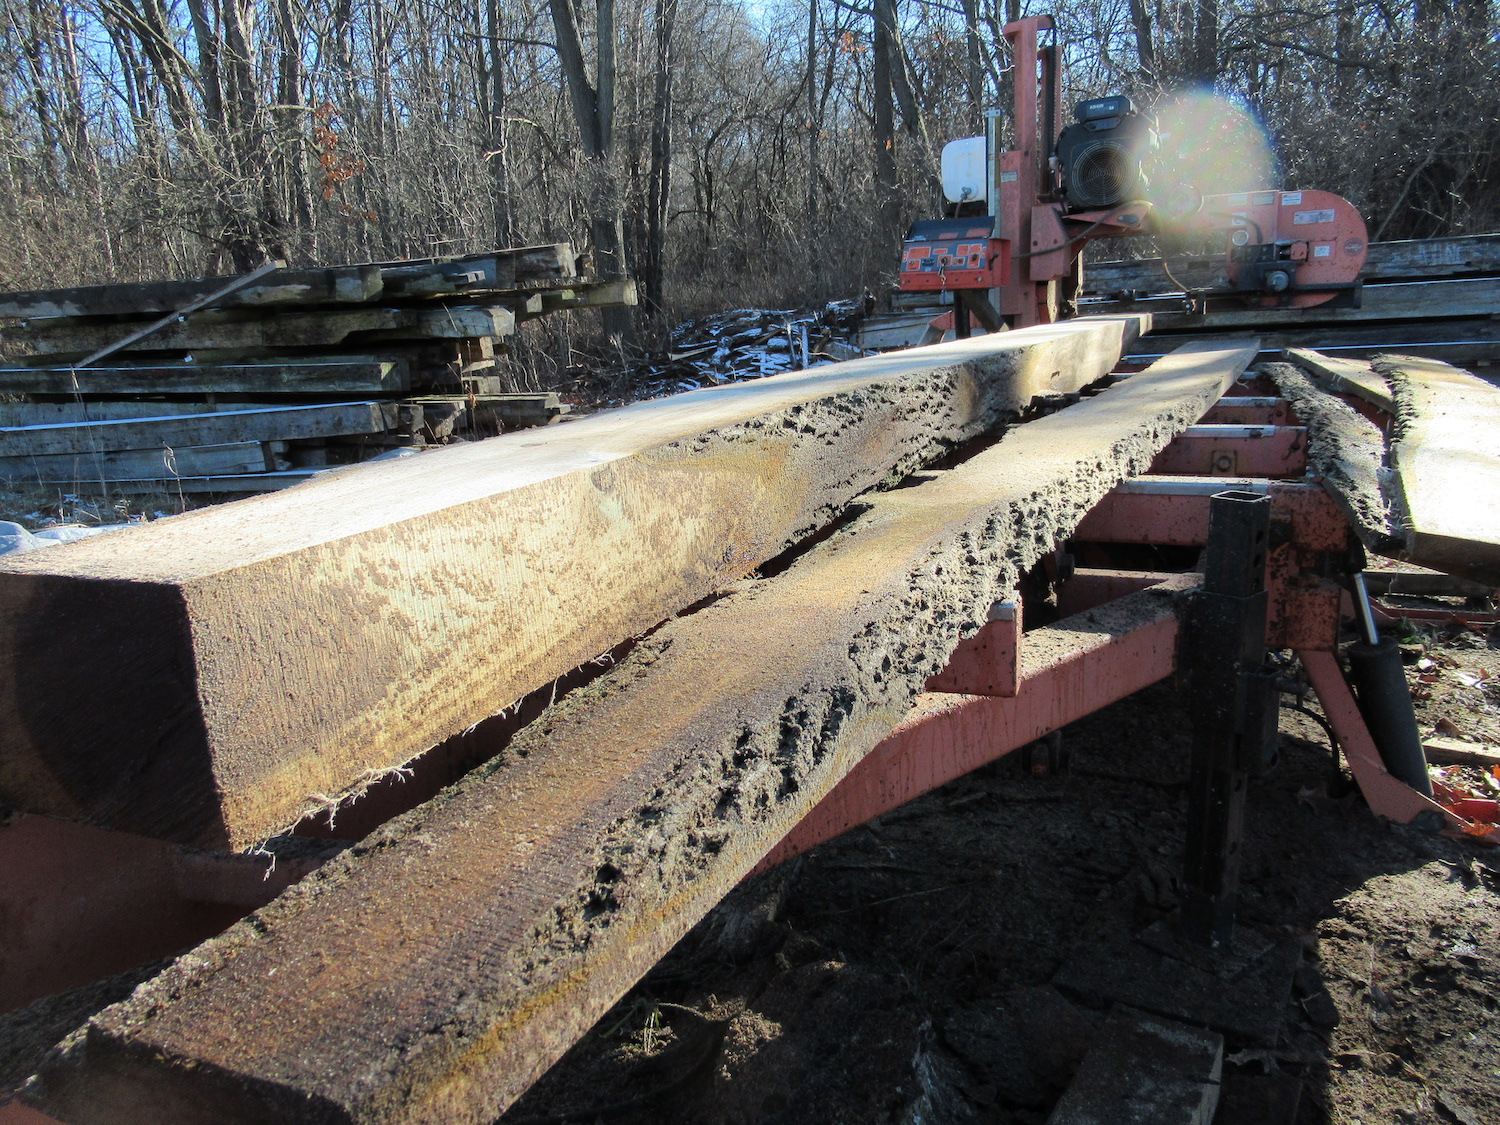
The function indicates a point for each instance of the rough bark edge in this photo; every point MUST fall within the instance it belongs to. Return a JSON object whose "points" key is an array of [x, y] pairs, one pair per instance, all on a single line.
{"points": [[1348, 453]]}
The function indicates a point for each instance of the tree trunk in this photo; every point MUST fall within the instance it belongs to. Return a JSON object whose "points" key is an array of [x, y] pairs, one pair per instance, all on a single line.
{"points": [[973, 64], [1140, 18], [887, 199], [1206, 46], [660, 185], [593, 109]]}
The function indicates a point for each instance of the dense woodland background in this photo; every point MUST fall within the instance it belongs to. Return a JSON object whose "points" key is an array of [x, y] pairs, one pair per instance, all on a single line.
{"points": [[722, 152]]}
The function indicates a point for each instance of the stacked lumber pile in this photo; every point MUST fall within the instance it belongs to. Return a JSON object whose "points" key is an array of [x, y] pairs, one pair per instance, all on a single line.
{"points": [[221, 386]]}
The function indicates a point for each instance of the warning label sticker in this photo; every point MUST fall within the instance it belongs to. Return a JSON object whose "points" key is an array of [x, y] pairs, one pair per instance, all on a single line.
{"points": [[1306, 218], [1291, 198], [1324, 250]]}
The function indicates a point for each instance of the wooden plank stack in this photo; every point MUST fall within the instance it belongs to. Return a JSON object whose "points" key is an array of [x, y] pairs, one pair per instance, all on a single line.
{"points": [[289, 372]]}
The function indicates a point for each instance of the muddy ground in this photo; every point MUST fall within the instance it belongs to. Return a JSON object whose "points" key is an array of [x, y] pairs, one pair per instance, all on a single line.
{"points": [[943, 964]]}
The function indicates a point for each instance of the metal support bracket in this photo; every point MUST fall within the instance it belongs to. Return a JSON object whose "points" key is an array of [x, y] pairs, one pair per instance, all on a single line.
{"points": [[1232, 707]]}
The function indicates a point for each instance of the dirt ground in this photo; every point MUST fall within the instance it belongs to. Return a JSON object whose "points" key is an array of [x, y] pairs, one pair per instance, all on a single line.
{"points": [[935, 966]]}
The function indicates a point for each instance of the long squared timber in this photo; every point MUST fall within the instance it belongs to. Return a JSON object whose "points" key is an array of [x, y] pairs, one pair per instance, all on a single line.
{"points": [[430, 974], [493, 271], [496, 271], [343, 285], [231, 485], [217, 427], [354, 374], [236, 329], [243, 664], [134, 464]]}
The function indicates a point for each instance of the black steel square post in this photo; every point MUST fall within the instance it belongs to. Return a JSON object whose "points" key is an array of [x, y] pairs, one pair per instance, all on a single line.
{"points": [[1232, 705]]}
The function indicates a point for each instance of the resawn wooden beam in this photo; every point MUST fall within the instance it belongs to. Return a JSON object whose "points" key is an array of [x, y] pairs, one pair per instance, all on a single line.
{"points": [[430, 974], [1444, 456], [212, 677]]}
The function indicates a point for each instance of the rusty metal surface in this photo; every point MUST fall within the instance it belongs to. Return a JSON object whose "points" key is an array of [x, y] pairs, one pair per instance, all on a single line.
{"points": [[433, 971]]}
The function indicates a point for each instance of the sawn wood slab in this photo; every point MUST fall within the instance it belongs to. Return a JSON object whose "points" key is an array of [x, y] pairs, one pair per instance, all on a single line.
{"points": [[430, 974], [212, 677], [1446, 456]]}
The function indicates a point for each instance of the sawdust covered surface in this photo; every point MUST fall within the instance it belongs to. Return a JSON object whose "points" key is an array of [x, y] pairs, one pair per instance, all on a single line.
{"points": [[905, 972]]}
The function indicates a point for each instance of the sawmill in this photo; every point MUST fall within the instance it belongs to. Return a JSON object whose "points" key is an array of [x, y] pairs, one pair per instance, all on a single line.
{"points": [[365, 798]]}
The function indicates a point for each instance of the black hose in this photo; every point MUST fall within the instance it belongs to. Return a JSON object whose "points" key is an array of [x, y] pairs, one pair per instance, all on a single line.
{"points": [[1385, 702]]}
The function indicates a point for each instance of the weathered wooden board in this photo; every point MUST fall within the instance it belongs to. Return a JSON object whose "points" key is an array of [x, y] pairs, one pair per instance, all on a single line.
{"points": [[1414, 300], [1456, 752], [1417, 258], [18, 414], [242, 660], [355, 374], [237, 484], [237, 328], [1445, 452], [342, 285], [1347, 452], [1346, 376], [473, 275], [209, 427], [596, 296], [134, 464], [434, 971], [495, 271]]}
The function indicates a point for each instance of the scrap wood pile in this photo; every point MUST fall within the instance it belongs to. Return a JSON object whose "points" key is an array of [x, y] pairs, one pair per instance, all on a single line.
{"points": [[227, 385], [733, 346]]}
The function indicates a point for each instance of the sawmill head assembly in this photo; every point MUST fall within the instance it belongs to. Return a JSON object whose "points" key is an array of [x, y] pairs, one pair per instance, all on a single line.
{"points": [[1029, 213]]}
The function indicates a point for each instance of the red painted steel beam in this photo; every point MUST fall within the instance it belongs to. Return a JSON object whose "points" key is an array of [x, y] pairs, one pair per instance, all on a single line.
{"points": [[80, 903], [1256, 451], [1250, 410], [989, 662], [1173, 511], [1089, 587], [1386, 796], [1068, 670]]}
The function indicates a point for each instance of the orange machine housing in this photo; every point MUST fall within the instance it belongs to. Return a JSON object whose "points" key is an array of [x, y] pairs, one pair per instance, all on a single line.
{"points": [[950, 254]]}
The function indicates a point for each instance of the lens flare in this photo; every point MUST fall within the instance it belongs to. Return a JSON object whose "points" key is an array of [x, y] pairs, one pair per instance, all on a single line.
{"points": [[1209, 145]]}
